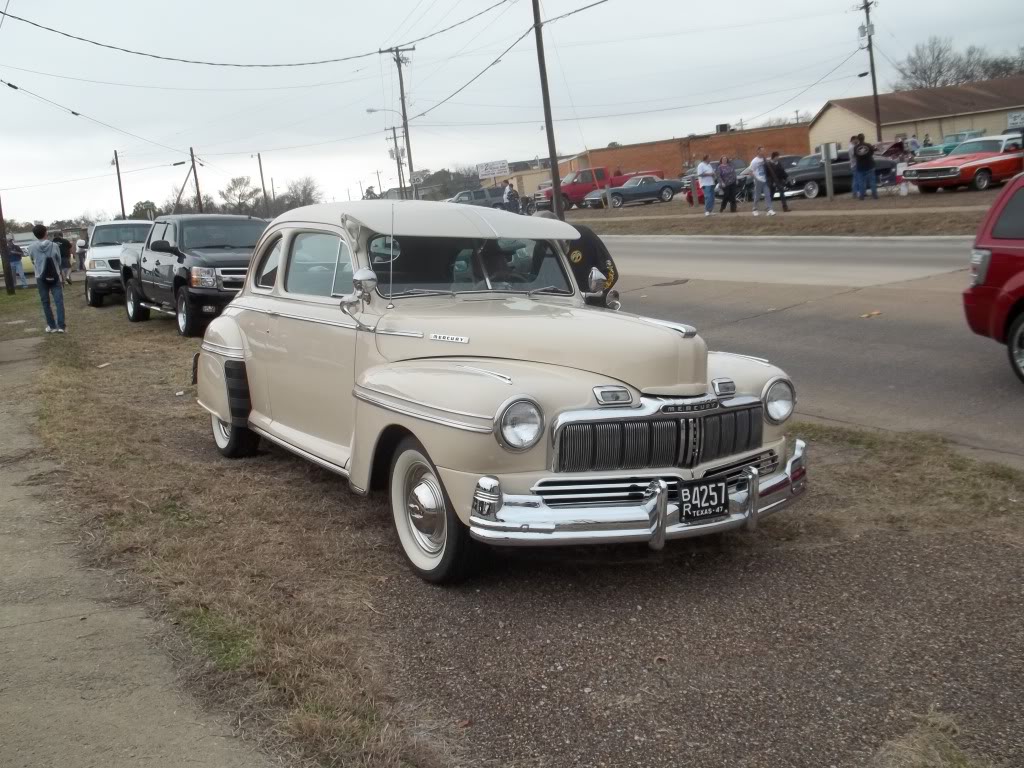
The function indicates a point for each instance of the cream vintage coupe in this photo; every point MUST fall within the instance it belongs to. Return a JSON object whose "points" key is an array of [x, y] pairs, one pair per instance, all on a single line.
{"points": [[445, 354]]}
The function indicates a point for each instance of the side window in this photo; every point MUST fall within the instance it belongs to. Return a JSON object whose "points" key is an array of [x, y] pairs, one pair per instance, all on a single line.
{"points": [[1010, 224], [479, 194], [157, 233], [266, 275], [170, 234], [314, 262], [586, 177], [600, 174]]}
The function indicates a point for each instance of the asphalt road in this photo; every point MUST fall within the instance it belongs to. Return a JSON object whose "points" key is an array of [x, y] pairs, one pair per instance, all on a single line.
{"points": [[799, 302]]}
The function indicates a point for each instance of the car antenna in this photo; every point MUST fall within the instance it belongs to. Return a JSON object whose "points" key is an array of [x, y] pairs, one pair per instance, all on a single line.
{"points": [[391, 263]]}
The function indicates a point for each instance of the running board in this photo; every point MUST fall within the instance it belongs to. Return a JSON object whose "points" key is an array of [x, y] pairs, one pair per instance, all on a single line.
{"points": [[157, 308]]}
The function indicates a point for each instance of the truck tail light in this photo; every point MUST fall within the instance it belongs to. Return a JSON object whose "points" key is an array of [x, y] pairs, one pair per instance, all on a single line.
{"points": [[980, 259]]}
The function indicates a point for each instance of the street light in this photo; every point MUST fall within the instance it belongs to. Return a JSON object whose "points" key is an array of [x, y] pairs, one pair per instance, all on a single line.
{"points": [[371, 110]]}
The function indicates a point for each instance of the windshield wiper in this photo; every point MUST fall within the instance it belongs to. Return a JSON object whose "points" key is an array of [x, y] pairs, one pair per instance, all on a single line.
{"points": [[549, 289], [423, 292], [220, 245]]}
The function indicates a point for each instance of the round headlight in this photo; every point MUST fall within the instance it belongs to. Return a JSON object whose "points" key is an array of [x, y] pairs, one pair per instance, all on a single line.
{"points": [[520, 425], [779, 401]]}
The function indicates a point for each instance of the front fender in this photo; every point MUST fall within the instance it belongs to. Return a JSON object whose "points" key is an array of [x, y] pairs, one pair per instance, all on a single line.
{"points": [[750, 374], [222, 348], [450, 406]]}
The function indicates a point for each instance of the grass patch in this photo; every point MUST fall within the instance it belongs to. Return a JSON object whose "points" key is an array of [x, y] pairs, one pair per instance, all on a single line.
{"points": [[20, 314], [224, 640], [932, 744]]}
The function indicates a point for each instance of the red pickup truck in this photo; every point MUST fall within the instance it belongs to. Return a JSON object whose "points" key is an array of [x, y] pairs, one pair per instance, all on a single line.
{"points": [[578, 184], [994, 302]]}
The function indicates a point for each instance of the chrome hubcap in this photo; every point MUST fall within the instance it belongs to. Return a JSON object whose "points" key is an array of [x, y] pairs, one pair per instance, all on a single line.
{"points": [[131, 304], [424, 506], [181, 315], [222, 430]]}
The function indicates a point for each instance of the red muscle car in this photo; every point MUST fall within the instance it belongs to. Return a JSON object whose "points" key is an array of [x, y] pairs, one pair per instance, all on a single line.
{"points": [[977, 163]]}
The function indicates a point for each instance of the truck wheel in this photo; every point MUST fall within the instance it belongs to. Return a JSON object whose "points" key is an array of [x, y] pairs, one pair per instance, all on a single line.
{"points": [[566, 203], [92, 298], [811, 190], [616, 201], [133, 302], [1015, 346], [982, 180], [185, 314], [434, 540], [667, 194], [233, 441]]}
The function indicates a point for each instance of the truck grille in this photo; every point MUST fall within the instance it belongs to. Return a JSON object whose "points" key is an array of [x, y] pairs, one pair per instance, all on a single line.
{"points": [[114, 264], [590, 491], [652, 443], [231, 278]]}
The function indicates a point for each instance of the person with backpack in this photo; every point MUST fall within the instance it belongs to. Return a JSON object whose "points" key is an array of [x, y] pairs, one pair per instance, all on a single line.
{"points": [[45, 255]]}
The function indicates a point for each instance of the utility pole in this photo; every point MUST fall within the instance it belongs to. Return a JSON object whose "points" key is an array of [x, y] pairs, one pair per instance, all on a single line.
{"points": [[797, 117], [266, 203], [273, 194], [379, 188], [556, 185], [361, 193], [398, 160], [869, 32], [120, 191], [8, 272], [195, 175], [397, 53]]}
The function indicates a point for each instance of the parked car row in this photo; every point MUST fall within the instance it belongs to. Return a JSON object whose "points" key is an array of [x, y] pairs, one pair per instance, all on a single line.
{"points": [[977, 163], [354, 335]]}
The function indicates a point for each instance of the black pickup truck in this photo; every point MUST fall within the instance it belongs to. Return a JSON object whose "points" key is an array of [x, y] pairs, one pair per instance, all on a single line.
{"points": [[190, 266]]}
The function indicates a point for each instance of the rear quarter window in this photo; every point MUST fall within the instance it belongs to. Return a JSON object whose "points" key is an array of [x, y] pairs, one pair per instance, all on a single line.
{"points": [[1010, 224]]}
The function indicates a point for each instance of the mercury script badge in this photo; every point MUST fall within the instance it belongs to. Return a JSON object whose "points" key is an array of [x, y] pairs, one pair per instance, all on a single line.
{"points": [[448, 337]]}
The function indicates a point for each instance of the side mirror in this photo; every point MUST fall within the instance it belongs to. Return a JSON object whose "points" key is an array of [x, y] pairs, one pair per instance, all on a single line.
{"points": [[364, 281], [612, 301], [80, 244], [596, 280], [160, 246]]}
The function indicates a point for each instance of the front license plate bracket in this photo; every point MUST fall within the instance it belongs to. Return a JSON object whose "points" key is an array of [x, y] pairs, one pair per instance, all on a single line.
{"points": [[703, 500]]}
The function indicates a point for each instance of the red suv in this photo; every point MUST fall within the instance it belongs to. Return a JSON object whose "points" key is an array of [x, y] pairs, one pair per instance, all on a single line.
{"points": [[995, 301]]}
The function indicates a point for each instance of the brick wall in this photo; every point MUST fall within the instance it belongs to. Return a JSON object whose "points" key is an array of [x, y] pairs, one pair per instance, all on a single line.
{"points": [[673, 156]]}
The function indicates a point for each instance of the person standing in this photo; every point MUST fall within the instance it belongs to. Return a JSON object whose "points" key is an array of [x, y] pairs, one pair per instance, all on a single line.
{"points": [[46, 262], [505, 195], [864, 175], [757, 170], [927, 141], [65, 255], [727, 178], [777, 178], [14, 257], [706, 178], [914, 144]]}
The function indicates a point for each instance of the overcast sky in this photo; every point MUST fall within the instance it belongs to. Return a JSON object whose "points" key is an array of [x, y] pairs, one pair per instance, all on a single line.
{"points": [[644, 69]]}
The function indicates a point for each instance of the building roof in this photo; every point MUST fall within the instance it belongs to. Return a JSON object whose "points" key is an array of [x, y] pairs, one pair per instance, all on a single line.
{"points": [[930, 103], [424, 218]]}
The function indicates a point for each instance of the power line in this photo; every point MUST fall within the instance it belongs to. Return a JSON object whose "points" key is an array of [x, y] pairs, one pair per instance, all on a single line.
{"points": [[183, 88], [85, 178], [86, 117], [293, 146], [805, 90], [4, 17], [339, 59]]}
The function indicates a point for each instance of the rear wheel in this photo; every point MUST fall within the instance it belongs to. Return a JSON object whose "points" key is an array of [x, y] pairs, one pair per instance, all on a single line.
{"points": [[616, 201], [982, 180], [667, 194], [133, 302], [92, 298], [811, 190], [1015, 346], [434, 540], [233, 441], [185, 314]]}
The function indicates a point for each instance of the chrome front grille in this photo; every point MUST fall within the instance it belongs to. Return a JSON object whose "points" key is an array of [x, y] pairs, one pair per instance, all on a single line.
{"points": [[658, 442], [934, 173], [231, 278], [591, 491]]}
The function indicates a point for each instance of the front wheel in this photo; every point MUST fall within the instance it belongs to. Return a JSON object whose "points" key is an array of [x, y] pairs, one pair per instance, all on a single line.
{"points": [[616, 201], [92, 298], [133, 302], [185, 314], [434, 540], [982, 180], [811, 190], [233, 441], [667, 194], [1015, 346]]}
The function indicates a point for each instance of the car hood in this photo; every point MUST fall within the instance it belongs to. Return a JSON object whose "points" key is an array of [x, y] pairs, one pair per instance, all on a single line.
{"points": [[104, 251], [654, 357], [948, 160], [221, 257]]}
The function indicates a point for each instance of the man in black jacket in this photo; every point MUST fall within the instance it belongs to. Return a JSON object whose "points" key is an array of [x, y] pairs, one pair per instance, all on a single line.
{"points": [[777, 177]]}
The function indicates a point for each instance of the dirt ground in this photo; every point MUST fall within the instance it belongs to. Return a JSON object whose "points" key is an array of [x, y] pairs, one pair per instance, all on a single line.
{"points": [[893, 590]]}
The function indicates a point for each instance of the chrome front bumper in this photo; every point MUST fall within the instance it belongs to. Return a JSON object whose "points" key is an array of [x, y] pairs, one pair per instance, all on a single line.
{"points": [[514, 520]]}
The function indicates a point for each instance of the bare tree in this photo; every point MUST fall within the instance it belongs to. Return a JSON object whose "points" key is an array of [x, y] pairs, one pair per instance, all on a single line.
{"points": [[304, 191], [239, 195], [936, 64]]}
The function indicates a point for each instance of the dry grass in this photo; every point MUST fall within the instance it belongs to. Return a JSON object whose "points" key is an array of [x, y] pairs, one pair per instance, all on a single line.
{"points": [[265, 563], [20, 314], [742, 223], [932, 744]]}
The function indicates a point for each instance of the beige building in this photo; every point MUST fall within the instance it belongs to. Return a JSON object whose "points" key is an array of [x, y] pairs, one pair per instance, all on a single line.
{"points": [[992, 106]]}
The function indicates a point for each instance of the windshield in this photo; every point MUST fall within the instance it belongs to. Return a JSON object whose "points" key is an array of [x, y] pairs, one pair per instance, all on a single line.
{"points": [[439, 265], [569, 179], [633, 182], [222, 233], [119, 234], [978, 145], [808, 161]]}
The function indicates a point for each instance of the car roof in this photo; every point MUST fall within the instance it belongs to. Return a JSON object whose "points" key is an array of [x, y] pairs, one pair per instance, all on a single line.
{"points": [[122, 221], [208, 216], [423, 218]]}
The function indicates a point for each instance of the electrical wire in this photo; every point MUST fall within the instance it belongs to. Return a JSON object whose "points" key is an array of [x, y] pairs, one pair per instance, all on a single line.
{"points": [[4, 17], [293, 146], [90, 119], [85, 178], [805, 90], [352, 57]]}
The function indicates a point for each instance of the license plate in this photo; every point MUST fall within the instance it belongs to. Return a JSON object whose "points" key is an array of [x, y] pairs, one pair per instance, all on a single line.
{"points": [[700, 501]]}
